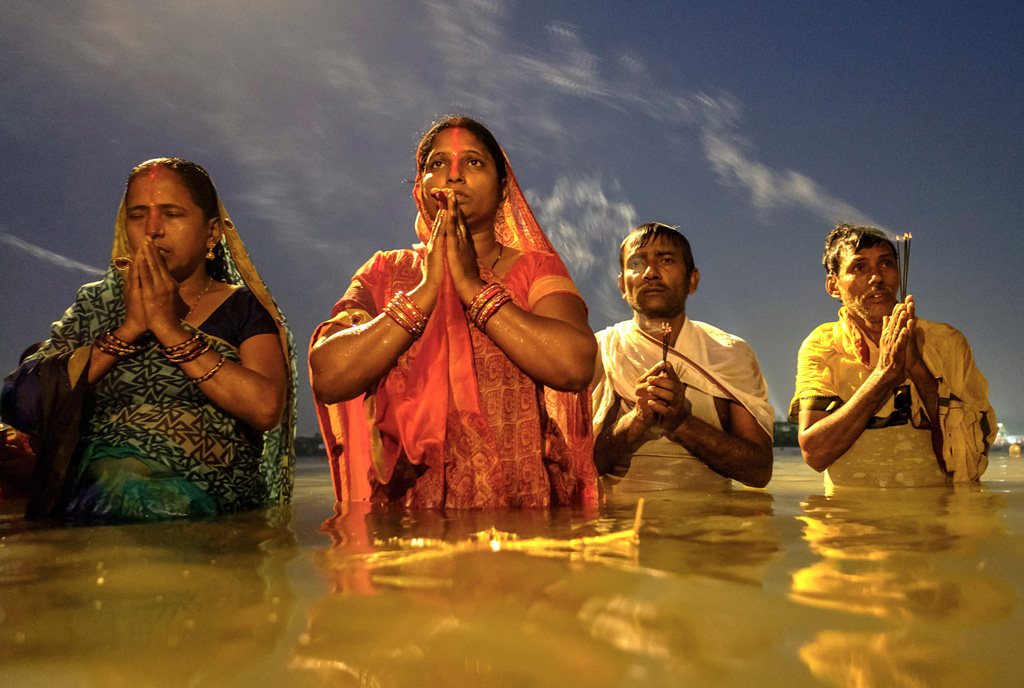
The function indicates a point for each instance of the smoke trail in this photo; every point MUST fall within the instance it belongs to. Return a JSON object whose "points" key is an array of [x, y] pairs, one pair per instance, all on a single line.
{"points": [[48, 256]]}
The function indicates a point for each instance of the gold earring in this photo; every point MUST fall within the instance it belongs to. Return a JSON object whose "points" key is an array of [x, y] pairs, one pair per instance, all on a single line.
{"points": [[209, 254]]}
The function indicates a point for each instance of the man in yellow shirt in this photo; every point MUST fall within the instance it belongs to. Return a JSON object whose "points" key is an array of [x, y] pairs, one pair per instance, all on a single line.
{"points": [[882, 397]]}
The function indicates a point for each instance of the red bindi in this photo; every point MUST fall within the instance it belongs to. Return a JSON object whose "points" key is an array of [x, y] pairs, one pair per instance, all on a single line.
{"points": [[455, 150], [152, 186]]}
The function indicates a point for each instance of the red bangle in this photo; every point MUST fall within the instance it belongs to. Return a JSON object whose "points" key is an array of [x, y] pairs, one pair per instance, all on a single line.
{"points": [[407, 314], [486, 303], [482, 298]]}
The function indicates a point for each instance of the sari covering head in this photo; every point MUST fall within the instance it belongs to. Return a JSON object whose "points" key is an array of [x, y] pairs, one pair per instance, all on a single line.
{"points": [[455, 423], [147, 410]]}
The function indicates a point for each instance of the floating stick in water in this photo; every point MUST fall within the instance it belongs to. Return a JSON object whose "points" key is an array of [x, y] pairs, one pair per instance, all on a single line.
{"points": [[637, 519]]}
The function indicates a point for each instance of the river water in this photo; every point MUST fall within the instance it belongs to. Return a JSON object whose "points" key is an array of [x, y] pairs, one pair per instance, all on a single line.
{"points": [[775, 587]]}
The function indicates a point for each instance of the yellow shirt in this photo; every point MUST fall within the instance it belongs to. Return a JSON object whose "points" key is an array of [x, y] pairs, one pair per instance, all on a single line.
{"points": [[836, 359]]}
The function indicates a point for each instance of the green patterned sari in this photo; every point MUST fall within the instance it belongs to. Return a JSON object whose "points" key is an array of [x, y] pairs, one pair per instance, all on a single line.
{"points": [[152, 445]]}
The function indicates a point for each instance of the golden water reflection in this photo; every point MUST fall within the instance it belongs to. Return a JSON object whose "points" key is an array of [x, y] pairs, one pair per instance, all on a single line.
{"points": [[156, 604], [893, 660], [726, 588], [444, 602], [908, 557]]}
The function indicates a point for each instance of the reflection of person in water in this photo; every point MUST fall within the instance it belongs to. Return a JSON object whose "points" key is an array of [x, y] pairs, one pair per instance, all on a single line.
{"points": [[876, 554], [172, 604], [884, 660], [485, 617], [358, 529], [724, 534]]}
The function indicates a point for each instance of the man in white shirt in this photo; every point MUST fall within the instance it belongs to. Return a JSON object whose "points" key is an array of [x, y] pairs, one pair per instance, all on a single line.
{"points": [[692, 411]]}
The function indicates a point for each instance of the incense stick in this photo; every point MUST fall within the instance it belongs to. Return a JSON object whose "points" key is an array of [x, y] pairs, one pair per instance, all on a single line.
{"points": [[666, 333], [903, 258]]}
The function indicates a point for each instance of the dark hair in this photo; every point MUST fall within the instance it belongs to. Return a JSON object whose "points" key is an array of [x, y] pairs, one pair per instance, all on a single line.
{"points": [[195, 178], [32, 348], [848, 239], [472, 126], [646, 233]]}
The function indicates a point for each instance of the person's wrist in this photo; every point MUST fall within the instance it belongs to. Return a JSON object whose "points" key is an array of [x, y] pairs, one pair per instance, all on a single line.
{"points": [[672, 424], [469, 288], [886, 376], [129, 331], [425, 294], [919, 373], [169, 334], [641, 421]]}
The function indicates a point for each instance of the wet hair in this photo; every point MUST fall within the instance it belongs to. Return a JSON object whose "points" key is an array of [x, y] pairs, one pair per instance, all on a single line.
{"points": [[646, 233], [846, 240], [195, 178], [472, 126]]}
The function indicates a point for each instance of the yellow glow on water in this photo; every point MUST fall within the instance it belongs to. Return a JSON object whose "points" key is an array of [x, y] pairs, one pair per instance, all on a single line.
{"points": [[881, 587]]}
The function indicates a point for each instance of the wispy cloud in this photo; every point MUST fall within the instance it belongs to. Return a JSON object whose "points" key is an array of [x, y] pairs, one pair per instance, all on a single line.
{"points": [[586, 226], [306, 110], [47, 255], [573, 69], [730, 157]]}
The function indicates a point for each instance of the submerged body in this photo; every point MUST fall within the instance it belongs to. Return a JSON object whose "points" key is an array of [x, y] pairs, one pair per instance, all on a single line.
{"points": [[700, 402], [146, 407], [716, 368], [895, 449], [879, 366], [451, 374]]}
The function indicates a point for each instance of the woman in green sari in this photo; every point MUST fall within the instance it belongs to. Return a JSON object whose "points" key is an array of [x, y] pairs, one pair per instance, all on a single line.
{"points": [[168, 388]]}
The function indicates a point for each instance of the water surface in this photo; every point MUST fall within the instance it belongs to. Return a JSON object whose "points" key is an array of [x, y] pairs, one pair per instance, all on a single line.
{"points": [[775, 587]]}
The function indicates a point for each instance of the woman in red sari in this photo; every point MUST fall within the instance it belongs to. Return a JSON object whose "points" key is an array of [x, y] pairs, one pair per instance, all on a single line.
{"points": [[453, 374]]}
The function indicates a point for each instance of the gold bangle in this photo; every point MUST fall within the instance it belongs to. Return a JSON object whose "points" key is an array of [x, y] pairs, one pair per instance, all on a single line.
{"points": [[171, 350], [112, 345], [407, 314], [411, 310], [198, 345], [210, 373], [113, 338], [486, 293]]}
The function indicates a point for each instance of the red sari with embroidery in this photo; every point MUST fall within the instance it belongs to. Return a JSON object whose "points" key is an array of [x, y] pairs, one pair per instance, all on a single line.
{"points": [[455, 423]]}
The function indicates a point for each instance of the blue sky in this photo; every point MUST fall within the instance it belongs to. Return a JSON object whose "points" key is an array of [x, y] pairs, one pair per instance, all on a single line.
{"points": [[755, 127]]}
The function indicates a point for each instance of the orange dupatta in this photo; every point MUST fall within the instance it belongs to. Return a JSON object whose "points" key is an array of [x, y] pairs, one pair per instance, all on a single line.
{"points": [[441, 379]]}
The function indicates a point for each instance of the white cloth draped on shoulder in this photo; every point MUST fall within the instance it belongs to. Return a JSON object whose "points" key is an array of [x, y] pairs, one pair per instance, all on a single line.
{"points": [[704, 357]]}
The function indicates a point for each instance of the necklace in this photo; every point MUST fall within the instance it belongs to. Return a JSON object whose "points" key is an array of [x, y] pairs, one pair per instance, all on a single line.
{"points": [[501, 247], [209, 283]]}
